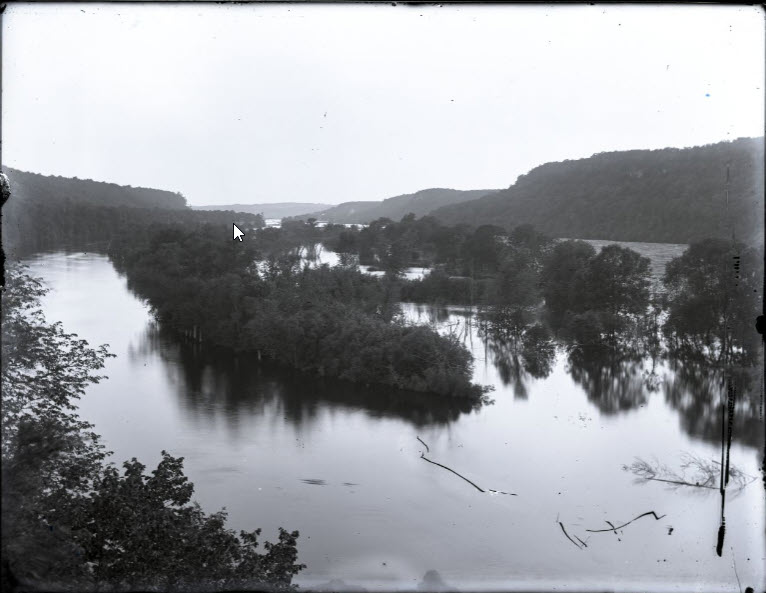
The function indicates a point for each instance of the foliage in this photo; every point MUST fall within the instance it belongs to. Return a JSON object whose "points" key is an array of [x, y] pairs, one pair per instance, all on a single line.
{"points": [[438, 287], [667, 196], [595, 296], [713, 297], [47, 212], [329, 322], [70, 520], [563, 277], [52, 188], [40, 358]]}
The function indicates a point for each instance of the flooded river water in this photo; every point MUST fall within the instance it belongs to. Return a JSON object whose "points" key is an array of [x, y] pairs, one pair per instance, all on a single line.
{"points": [[343, 464]]}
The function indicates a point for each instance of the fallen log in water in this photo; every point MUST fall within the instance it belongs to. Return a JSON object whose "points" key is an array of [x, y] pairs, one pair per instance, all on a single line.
{"points": [[570, 539], [423, 457], [424, 444], [613, 528]]}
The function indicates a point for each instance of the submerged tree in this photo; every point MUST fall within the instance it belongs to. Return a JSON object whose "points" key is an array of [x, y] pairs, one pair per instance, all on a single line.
{"points": [[563, 277], [596, 297], [714, 295], [69, 519]]}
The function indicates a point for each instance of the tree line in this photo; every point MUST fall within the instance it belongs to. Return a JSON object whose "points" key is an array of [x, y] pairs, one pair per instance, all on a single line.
{"points": [[707, 299]]}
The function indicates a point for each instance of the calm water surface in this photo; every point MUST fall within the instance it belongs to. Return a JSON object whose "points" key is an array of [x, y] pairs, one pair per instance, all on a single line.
{"points": [[342, 464]]}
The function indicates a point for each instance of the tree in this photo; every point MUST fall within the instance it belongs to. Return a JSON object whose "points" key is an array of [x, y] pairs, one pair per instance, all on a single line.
{"points": [[482, 249], [713, 291], [563, 278], [516, 291], [70, 519], [618, 281]]}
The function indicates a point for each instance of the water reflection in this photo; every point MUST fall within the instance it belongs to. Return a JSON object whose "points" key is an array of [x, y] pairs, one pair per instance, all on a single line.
{"points": [[615, 379], [236, 427], [697, 391], [518, 361], [612, 379], [215, 386], [210, 382]]}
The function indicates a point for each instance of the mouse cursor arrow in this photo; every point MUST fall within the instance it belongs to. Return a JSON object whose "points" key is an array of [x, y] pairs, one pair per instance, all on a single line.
{"points": [[237, 233]]}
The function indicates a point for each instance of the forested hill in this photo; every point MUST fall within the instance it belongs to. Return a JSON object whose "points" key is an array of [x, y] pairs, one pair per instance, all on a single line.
{"points": [[420, 203], [46, 213], [275, 210], [49, 188], [667, 196]]}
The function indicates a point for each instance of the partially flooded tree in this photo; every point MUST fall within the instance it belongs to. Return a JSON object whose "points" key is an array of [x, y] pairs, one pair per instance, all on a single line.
{"points": [[714, 291]]}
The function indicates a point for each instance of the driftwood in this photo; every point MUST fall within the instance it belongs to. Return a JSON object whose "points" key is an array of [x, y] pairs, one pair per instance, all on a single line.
{"points": [[582, 542], [704, 473], [736, 574], [422, 456], [614, 529], [449, 469], [570, 539], [682, 483]]}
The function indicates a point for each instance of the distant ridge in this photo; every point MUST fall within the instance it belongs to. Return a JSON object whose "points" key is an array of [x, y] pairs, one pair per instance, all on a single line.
{"points": [[276, 210], [419, 203], [669, 195]]}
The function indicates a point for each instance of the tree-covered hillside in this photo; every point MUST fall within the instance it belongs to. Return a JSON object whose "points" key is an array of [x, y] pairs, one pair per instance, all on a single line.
{"points": [[420, 203], [46, 212], [669, 196], [32, 186]]}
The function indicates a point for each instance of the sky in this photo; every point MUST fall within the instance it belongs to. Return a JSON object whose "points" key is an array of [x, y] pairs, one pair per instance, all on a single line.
{"points": [[327, 103]]}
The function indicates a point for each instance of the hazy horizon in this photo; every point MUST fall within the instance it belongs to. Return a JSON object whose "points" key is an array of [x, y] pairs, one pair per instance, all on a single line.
{"points": [[259, 104]]}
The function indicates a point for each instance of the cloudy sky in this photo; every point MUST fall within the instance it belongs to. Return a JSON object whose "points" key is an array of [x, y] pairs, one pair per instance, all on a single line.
{"points": [[330, 103]]}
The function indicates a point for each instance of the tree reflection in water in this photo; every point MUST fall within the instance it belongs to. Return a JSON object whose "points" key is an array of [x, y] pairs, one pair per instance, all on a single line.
{"points": [[612, 378], [615, 379], [620, 379], [211, 382], [698, 390], [532, 355]]}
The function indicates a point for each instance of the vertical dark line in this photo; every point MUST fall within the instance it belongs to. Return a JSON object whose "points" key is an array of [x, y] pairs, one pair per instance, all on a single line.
{"points": [[728, 213], [732, 395], [2, 39], [723, 436], [4, 198], [763, 314]]}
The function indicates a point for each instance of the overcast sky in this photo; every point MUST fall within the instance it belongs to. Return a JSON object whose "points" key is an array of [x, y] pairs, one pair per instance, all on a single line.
{"points": [[330, 103]]}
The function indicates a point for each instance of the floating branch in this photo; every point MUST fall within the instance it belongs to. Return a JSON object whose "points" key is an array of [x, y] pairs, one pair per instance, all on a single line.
{"points": [[736, 574], [695, 473], [569, 538], [613, 528], [426, 446], [422, 456], [582, 542]]}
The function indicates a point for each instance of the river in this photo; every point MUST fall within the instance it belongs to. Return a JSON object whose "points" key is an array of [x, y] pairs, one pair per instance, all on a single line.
{"points": [[343, 465]]}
